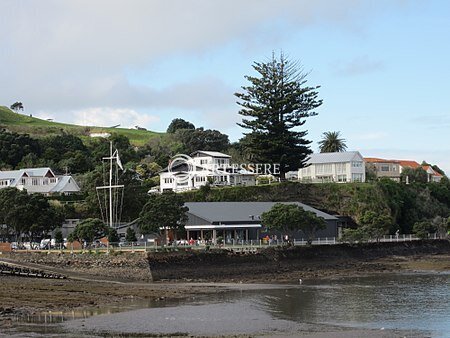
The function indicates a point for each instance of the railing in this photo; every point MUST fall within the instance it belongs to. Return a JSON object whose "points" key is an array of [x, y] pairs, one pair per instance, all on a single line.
{"points": [[233, 245]]}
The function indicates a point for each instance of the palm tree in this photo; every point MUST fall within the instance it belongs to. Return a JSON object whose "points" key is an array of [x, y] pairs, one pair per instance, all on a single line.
{"points": [[331, 142]]}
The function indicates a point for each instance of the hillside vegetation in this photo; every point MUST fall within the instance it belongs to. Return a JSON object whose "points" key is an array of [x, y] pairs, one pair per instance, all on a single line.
{"points": [[23, 124], [406, 204]]}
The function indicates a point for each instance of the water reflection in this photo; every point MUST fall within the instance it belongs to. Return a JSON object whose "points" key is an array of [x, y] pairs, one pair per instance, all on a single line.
{"points": [[407, 301], [403, 301]]}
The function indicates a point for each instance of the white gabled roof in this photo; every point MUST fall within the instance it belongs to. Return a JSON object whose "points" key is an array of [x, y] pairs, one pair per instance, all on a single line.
{"points": [[66, 184], [13, 175], [338, 157], [38, 172], [210, 153]]}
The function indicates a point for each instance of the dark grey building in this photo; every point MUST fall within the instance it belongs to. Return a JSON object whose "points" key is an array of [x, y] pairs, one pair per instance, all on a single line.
{"points": [[241, 220]]}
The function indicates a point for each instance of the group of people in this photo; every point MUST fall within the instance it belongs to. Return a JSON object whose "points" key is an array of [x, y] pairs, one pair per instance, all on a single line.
{"points": [[272, 240], [191, 242]]}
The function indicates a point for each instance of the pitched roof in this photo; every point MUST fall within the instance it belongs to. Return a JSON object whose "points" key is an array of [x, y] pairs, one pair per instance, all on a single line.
{"points": [[32, 172], [431, 171], [403, 163], [13, 175], [337, 157], [210, 153], [63, 182], [378, 160], [408, 163], [223, 212]]}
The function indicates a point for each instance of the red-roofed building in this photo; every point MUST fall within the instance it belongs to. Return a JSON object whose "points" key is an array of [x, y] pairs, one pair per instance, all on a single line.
{"points": [[393, 168], [433, 175]]}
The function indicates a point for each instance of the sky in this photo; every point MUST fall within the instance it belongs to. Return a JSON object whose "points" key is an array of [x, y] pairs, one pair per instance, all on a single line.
{"points": [[383, 65]]}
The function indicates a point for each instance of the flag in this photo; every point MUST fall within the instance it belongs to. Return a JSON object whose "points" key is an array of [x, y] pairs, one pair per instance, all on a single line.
{"points": [[119, 162]]}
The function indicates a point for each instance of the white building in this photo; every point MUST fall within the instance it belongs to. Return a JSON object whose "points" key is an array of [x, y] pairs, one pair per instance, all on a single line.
{"points": [[334, 167], [38, 180], [204, 166]]}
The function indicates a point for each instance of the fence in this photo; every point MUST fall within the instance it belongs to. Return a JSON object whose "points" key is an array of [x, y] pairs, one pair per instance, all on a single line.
{"points": [[234, 245]]}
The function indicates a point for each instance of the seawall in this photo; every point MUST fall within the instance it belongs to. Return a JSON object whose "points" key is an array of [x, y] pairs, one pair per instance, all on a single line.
{"points": [[266, 265], [282, 263], [123, 266]]}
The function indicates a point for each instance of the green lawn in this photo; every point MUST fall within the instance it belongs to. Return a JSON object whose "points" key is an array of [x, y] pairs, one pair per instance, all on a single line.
{"points": [[20, 123]]}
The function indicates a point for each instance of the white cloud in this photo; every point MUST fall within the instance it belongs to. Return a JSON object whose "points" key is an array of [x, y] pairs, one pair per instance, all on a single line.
{"points": [[69, 55], [108, 117]]}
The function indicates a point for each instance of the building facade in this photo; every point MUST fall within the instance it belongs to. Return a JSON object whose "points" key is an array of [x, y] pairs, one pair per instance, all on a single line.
{"points": [[338, 167], [201, 168], [237, 222], [39, 180], [393, 168]]}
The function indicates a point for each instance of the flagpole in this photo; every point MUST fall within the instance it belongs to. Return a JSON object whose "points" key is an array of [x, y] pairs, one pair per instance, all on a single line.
{"points": [[110, 183]]}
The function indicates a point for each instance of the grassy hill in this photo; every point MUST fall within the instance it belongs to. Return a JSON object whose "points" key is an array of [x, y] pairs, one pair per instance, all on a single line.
{"points": [[35, 127]]}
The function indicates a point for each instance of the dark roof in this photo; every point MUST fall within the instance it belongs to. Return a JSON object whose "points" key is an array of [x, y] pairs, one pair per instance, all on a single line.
{"points": [[227, 212]]}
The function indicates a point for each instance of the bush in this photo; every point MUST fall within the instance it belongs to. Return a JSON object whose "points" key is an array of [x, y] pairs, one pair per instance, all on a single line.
{"points": [[423, 229], [354, 235]]}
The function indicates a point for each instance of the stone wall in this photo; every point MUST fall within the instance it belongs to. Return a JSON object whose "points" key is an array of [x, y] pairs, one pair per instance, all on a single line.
{"points": [[122, 266], [223, 265]]}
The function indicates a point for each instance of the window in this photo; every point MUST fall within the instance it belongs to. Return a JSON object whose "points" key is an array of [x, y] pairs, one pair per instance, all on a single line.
{"points": [[357, 177], [34, 181], [23, 181], [384, 168], [342, 178], [203, 161], [168, 180], [357, 164]]}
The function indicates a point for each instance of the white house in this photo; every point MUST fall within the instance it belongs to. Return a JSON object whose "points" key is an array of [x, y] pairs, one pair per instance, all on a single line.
{"points": [[334, 167], [202, 167], [38, 180]]}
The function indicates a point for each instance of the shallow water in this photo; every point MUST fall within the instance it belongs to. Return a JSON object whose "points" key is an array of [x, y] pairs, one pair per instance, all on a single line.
{"points": [[417, 302]]}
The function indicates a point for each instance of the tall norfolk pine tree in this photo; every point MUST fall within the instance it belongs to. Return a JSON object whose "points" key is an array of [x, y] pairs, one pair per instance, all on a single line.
{"points": [[274, 106]]}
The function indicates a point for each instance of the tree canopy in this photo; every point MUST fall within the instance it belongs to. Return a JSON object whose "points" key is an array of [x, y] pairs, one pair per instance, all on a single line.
{"points": [[201, 139], [414, 175], [178, 124], [27, 216], [331, 142], [17, 106], [274, 106], [164, 211], [292, 217], [88, 231]]}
